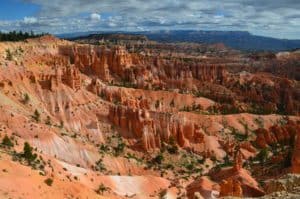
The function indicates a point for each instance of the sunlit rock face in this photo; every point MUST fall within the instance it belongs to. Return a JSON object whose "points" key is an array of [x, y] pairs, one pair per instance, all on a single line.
{"points": [[110, 64], [277, 134]]}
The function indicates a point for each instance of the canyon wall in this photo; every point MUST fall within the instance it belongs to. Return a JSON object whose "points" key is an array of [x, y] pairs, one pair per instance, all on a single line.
{"points": [[116, 64], [277, 134], [68, 75]]}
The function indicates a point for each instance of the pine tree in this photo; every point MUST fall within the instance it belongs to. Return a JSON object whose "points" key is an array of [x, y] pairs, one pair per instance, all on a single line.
{"points": [[9, 55], [7, 142], [27, 153], [37, 116]]}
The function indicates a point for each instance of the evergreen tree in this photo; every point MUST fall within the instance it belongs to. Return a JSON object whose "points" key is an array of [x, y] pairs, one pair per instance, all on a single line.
{"points": [[9, 55], [26, 98], [18, 36], [7, 142], [27, 153], [36, 116]]}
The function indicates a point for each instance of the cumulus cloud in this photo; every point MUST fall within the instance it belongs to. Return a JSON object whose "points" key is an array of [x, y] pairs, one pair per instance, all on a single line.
{"points": [[95, 17], [30, 20], [278, 18]]}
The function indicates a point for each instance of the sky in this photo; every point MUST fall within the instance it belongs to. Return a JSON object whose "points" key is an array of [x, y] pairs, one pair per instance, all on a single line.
{"points": [[273, 18]]}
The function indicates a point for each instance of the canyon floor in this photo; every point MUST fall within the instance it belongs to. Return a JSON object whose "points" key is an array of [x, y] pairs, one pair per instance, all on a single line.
{"points": [[96, 118]]}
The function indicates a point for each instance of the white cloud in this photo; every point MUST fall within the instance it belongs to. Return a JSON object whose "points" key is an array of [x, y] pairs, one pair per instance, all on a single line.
{"points": [[95, 17], [271, 18], [112, 24], [30, 20]]}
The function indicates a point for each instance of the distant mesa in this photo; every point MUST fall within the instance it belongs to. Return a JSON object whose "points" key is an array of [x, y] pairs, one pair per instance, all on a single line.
{"points": [[240, 40]]}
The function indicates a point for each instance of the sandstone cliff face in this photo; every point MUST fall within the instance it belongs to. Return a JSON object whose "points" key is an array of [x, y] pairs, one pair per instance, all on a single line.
{"points": [[276, 134], [151, 128], [237, 184], [270, 92], [285, 134], [136, 124], [119, 65], [231, 187], [68, 75], [99, 61]]}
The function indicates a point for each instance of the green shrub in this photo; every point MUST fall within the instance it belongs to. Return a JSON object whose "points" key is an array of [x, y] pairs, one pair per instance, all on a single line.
{"points": [[189, 166], [7, 142], [100, 166], [213, 158], [101, 189], [172, 148], [26, 98], [27, 153], [48, 121], [262, 156], [259, 121], [240, 137], [61, 124], [104, 148], [227, 161], [119, 149], [169, 166], [201, 161], [158, 159], [36, 116], [9, 55], [49, 181]]}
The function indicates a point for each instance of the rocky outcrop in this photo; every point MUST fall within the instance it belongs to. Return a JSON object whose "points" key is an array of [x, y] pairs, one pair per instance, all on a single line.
{"points": [[231, 187], [135, 123], [271, 93], [71, 77], [276, 134], [234, 181], [264, 138], [118, 66], [151, 128], [121, 66], [204, 186], [286, 96], [99, 61], [238, 161], [239, 184], [287, 134], [68, 75]]}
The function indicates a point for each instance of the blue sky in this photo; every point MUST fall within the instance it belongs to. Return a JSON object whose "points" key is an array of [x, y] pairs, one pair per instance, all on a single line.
{"points": [[275, 18], [16, 10]]}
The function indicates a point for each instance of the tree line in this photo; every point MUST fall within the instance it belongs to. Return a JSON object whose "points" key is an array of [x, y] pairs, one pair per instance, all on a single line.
{"points": [[18, 36]]}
